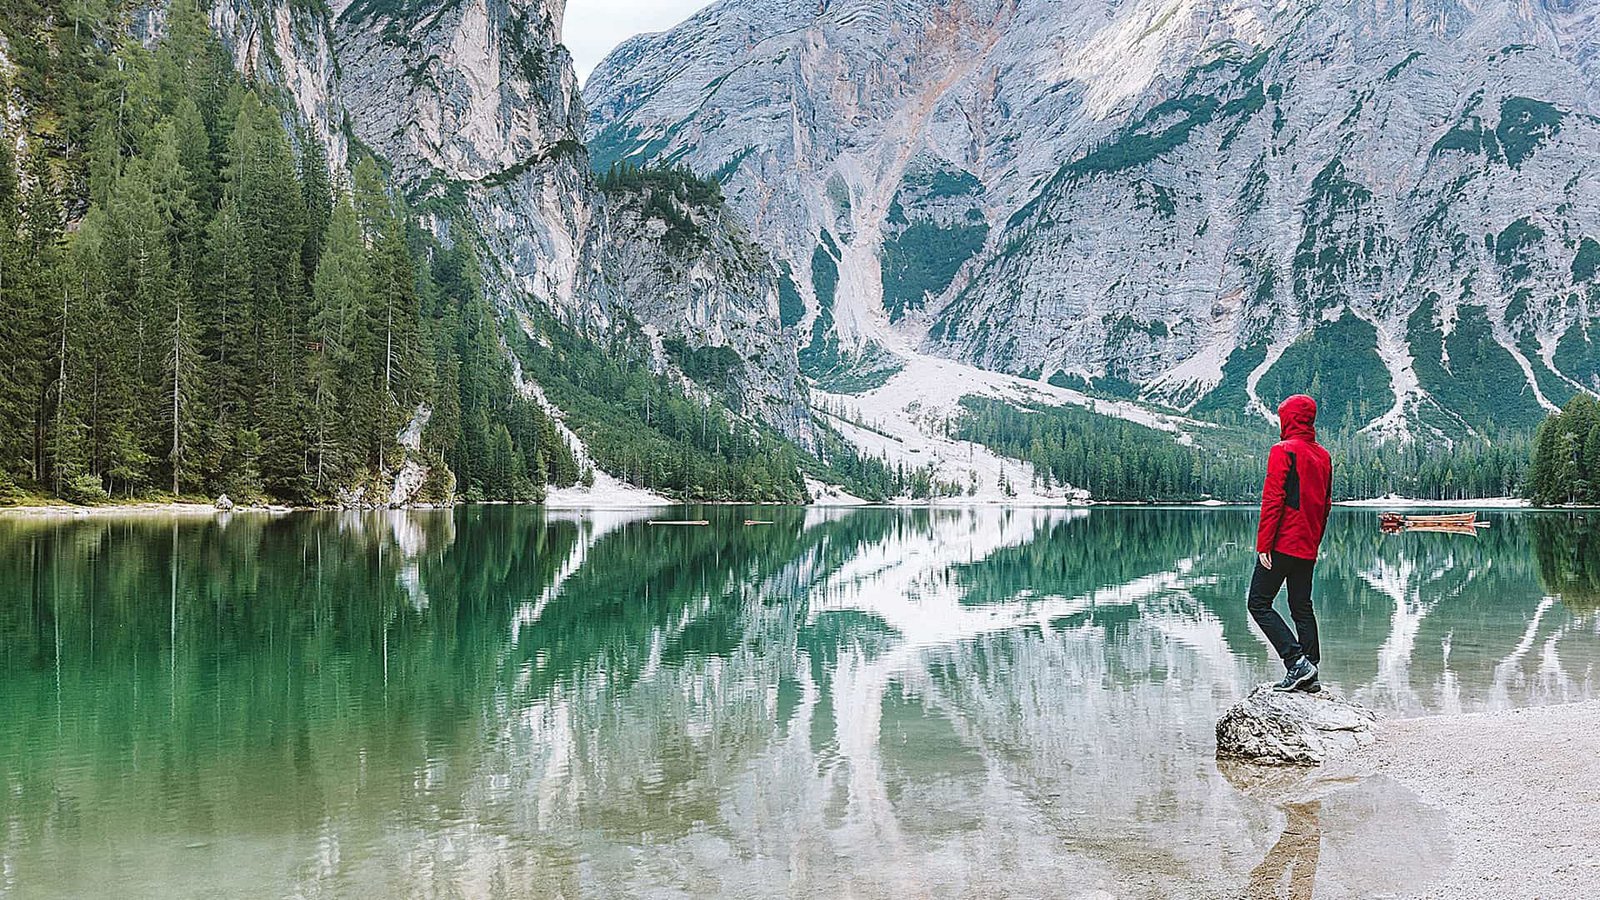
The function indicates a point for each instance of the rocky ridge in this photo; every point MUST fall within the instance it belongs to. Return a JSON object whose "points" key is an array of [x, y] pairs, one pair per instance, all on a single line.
{"points": [[473, 107], [1197, 204]]}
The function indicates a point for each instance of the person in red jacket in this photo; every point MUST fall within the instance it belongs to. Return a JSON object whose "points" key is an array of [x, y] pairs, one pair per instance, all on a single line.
{"points": [[1294, 514]]}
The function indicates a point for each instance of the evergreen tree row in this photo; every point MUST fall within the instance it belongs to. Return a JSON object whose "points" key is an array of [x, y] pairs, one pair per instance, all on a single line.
{"points": [[1470, 468], [223, 316], [1117, 460], [1113, 459], [1566, 455]]}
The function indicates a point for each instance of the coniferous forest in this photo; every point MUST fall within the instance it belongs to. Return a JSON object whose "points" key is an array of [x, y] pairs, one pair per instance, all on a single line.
{"points": [[1123, 461], [221, 316], [1566, 456]]}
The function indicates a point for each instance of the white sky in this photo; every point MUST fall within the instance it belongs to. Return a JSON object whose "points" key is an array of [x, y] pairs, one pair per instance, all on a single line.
{"points": [[594, 28]]}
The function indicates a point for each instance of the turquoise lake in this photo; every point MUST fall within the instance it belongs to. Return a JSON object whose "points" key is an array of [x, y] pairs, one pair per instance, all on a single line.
{"points": [[513, 702]]}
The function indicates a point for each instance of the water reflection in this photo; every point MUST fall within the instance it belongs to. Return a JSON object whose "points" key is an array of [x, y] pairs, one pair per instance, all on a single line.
{"points": [[1293, 859], [499, 702]]}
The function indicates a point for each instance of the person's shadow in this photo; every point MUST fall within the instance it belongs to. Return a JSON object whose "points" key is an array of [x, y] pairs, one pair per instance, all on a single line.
{"points": [[1293, 858]]}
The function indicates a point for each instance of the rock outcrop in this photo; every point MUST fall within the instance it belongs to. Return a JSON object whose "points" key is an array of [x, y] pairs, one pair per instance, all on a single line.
{"points": [[688, 272], [1292, 728]]}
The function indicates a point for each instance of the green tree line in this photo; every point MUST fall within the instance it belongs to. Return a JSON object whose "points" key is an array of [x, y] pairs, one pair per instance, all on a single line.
{"points": [[1566, 455], [191, 304], [1122, 461], [1112, 458]]}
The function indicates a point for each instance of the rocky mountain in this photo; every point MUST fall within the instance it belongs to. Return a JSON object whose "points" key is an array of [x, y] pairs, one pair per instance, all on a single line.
{"points": [[892, 232], [1199, 205], [473, 107]]}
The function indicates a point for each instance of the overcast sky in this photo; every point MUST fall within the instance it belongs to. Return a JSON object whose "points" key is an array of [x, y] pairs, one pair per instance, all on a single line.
{"points": [[595, 27]]}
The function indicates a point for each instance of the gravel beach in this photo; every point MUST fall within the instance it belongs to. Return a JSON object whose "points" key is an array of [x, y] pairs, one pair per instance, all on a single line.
{"points": [[1520, 792], [65, 511]]}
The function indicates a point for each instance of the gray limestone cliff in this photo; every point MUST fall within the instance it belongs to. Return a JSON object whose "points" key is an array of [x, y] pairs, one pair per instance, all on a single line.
{"points": [[1196, 203], [473, 107]]}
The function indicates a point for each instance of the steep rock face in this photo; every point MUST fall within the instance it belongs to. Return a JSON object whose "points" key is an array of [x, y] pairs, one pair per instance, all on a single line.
{"points": [[1405, 197], [473, 106], [696, 281], [809, 113], [1200, 202]]}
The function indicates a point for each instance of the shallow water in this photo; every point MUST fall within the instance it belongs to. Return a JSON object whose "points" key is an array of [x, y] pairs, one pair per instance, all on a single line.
{"points": [[504, 702]]}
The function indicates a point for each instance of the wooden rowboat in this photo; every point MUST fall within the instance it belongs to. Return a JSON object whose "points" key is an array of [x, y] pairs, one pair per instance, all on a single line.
{"points": [[1454, 523], [1470, 518]]}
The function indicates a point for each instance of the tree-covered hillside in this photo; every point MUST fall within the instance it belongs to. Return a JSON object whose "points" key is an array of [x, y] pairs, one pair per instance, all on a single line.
{"points": [[1123, 461], [193, 304], [1566, 456]]}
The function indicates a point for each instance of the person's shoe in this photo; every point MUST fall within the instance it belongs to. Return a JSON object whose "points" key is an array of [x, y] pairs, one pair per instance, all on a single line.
{"points": [[1302, 672], [1311, 687]]}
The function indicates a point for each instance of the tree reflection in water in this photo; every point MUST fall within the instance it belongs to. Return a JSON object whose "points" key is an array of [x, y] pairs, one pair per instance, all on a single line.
{"points": [[878, 702], [1568, 547]]}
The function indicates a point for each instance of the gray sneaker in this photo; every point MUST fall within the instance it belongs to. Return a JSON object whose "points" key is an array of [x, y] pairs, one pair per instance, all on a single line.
{"points": [[1311, 687], [1301, 673]]}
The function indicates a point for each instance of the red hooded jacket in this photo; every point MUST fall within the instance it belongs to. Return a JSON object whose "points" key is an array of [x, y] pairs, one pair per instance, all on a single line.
{"points": [[1294, 501]]}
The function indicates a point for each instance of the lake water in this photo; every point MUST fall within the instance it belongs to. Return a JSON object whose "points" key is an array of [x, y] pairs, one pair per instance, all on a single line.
{"points": [[508, 702]]}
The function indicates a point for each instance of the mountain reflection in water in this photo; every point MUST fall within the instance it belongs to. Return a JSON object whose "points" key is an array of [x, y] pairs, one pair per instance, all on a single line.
{"points": [[505, 702]]}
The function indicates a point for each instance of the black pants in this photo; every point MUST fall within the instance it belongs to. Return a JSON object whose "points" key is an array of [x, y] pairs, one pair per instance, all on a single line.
{"points": [[1264, 586]]}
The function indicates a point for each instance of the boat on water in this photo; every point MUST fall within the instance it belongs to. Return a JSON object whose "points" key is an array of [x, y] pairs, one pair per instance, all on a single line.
{"points": [[1453, 523]]}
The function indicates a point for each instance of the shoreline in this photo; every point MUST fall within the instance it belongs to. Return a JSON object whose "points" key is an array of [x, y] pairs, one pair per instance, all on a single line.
{"points": [[1494, 503], [603, 502], [1517, 789], [132, 508]]}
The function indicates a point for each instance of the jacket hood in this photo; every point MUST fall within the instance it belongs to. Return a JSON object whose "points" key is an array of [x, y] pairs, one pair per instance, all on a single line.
{"points": [[1297, 418]]}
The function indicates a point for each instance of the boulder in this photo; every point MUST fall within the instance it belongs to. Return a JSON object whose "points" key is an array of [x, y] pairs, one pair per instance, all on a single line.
{"points": [[224, 503], [407, 482], [352, 498], [1293, 728]]}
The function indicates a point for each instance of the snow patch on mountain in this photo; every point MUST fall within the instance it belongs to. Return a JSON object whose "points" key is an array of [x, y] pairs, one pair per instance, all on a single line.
{"points": [[1394, 425], [907, 418]]}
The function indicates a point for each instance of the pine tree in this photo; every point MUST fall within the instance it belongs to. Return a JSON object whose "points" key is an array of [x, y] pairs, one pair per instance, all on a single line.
{"points": [[499, 481], [1563, 467], [1591, 464], [19, 328], [58, 448], [319, 199], [184, 370], [340, 295], [195, 153]]}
